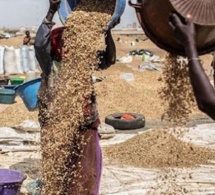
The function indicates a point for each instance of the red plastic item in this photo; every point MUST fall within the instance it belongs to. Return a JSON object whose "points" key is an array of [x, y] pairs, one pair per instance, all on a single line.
{"points": [[56, 41], [126, 117]]}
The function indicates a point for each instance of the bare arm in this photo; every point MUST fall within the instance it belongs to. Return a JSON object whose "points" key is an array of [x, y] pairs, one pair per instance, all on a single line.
{"points": [[54, 4], [42, 43], [203, 90], [110, 53]]}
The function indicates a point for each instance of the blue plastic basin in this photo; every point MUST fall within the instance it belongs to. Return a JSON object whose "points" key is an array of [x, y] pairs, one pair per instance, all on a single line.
{"points": [[10, 181], [9, 86], [66, 7], [28, 92], [7, 96]]}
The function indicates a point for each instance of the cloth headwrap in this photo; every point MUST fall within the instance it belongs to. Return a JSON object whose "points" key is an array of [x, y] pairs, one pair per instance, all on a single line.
{"points": [[56, 42]]}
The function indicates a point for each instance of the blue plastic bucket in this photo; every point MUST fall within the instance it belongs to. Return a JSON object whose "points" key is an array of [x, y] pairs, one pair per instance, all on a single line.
{"points": [[10, 181], [28, 92], [7, 96], [66, 7]]}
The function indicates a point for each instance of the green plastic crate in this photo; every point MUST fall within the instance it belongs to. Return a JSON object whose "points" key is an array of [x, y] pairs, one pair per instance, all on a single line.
{"points": [[16, 81]]}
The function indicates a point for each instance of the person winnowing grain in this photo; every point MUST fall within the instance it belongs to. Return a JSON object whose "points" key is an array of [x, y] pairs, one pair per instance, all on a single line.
{"points": [[48, 48], [203, 89]]}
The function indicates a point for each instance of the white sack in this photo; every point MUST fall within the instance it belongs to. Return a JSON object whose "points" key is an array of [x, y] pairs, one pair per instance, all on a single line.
{"points": [[2, 60], [19, 61], [10, 134], [25, 58], [33, 61], [10, 61], [29, 126]]}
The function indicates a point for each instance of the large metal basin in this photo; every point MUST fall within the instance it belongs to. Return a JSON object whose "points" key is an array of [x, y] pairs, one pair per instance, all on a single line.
{"points": [[153, 16]]}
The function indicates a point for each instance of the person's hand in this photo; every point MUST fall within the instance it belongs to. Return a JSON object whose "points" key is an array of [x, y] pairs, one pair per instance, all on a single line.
{"points": [[184, 30], [53, 7], [54, 4]]}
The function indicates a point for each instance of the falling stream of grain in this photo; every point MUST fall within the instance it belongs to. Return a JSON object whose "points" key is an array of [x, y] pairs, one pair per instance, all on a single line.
{"points": [[61, 139]]}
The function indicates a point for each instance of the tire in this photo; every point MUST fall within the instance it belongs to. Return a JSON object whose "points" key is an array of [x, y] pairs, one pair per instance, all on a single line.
{"points": [[115, 121], [144, 51], [133, 52]]}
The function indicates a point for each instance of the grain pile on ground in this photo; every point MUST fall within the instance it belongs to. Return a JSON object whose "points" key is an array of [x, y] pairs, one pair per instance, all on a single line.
{"points": [[158, 149], [117, 95], [177, 92], [141, 95], [61, 140], [16, 114]]}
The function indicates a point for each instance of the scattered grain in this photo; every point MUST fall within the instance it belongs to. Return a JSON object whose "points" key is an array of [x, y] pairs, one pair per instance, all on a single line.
{"points": [[177, 93]]}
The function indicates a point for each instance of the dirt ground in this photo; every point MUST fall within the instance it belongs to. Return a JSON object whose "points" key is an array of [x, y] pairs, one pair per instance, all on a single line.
{"points": [[114, 94]]}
